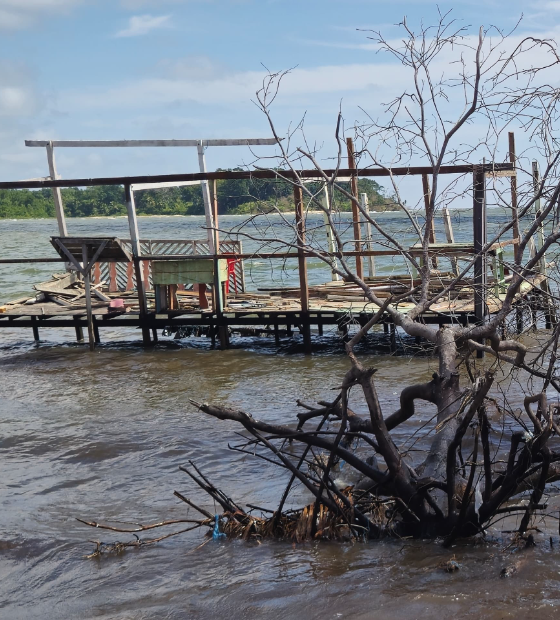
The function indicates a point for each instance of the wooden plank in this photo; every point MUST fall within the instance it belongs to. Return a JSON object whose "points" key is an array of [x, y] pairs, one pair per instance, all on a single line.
{"points": [[91, 334], [479, 231], [57, 196], [135, 243], [514, 209], [450, 237], [152, 143], [246, 174], [206, 198], [355, 209]]}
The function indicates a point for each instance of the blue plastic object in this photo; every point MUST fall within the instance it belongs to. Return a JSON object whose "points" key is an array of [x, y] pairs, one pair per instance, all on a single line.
{"points": [[216, 534]]}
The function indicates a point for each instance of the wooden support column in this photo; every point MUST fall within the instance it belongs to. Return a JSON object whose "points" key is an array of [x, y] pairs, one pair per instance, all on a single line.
{"points": [[371, 261], [355, 209], [35, 329], [87, 277], [514, 209], [135, 243], [57, 195], [96, 331], [206, 198], [427, 199], [302, 268], [78, 329], [219, 288], [330, 236], [450, 238], [479, 233]]}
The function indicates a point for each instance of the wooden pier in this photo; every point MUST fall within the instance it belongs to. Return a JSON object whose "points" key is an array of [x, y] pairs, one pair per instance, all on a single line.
{"points": [[157, 284]]}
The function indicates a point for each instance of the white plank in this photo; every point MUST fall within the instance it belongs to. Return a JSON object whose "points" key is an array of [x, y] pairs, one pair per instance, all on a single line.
{"points": [[141, 186], [57, 195], [150, 143]]}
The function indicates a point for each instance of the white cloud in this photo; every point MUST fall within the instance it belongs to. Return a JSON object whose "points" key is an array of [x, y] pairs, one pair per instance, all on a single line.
{"points": [[18, 14], [142, 24], [18, 95], [552, 6]]}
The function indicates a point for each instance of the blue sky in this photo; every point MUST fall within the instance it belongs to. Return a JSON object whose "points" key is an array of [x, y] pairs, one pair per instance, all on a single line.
{"points": [[100, 69]]}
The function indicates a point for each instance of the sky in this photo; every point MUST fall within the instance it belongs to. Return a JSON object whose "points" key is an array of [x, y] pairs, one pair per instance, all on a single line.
{"points": [[130, 69]]}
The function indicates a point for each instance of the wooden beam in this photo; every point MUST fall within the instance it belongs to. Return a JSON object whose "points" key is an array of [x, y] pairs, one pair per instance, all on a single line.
{"points": [[514, 209], [355, 209], [244, 174], [142, 186], [371, 261], [135, 244], [479, 233], [152, 143], [57, 195], [450, 237], [302, 268], [206, 198], [87, 275]]}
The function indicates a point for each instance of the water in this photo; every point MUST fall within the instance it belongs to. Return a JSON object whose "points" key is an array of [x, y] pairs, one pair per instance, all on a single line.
{"points": [[101, 436]]}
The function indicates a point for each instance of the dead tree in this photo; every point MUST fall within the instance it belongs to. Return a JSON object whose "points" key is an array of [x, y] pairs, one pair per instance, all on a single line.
{"points": [[472, 475]]}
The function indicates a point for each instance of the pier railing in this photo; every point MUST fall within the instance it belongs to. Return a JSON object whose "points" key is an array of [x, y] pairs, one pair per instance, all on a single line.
{"points": [[121, 276]]}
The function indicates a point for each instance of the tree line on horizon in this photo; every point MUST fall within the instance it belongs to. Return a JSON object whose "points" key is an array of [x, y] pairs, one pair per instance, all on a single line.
{"points": [[234, 196]]}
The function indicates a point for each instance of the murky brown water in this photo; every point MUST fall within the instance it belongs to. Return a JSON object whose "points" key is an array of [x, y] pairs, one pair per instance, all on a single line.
{"points": [[101, 435]]}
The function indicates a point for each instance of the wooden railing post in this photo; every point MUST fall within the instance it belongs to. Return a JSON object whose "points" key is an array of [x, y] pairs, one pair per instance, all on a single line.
{"points": [[135, 243], [302, 268], [427, 199], [479, 233], [57, 195], [514, 211], [355, 209]]}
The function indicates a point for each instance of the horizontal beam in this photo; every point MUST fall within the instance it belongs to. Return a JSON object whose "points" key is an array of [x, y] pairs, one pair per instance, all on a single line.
{"points": [[141, 186], [248, 174], [152, 143]]}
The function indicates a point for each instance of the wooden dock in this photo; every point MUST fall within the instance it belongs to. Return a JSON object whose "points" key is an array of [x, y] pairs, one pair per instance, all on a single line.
{"points": [[156, 284]]}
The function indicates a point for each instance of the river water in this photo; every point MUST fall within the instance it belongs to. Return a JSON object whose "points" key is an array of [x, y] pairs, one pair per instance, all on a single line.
{"points": [[101, 436]]}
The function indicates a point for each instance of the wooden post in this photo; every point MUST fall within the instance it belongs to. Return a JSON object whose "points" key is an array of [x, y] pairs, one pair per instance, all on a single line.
{"points": [[35, 329], [87, 276], [206, 198], [371, 262], [514, 210], [479, 233], [302, 267], [450, 238], [57, 195], [330, 237], [96, 331], [135, 243], [78, 329], [427, 199], [355, 209]]}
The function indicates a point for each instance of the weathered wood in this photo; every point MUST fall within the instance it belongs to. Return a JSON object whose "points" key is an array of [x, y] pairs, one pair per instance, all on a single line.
{"points": [[87, 276], [206, 198], [514, 209], [57, 196], [246, 174], [479, 232], [371, 261], [330, 236], [427, 200], [153, 143], [355, 209], [450, 237], [302, 268], [135, 243]]}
